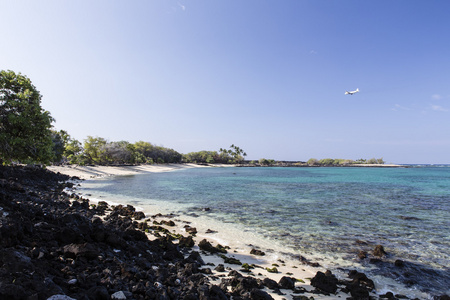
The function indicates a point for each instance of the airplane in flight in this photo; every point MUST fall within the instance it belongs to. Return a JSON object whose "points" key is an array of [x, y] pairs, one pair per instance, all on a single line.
{"points": [[351, 92]]}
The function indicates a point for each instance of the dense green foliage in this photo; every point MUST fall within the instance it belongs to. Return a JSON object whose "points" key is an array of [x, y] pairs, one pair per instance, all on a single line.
{"points": [[234, 155], [99, 151], [25, 128]]}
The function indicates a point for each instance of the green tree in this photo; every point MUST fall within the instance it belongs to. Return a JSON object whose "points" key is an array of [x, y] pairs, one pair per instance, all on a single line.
{"points": [[93, 150], [73, 151], [312, 162], [25, 127], [380, 161]]}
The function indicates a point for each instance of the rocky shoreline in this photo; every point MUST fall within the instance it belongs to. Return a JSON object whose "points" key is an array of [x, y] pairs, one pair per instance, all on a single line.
{"points": [[54, 245]]}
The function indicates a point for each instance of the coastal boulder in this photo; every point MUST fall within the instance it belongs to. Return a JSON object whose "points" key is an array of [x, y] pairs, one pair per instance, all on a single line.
{"points": [[256, 294], [270, 283], [287, 282], [325, 282], [361, 279]]}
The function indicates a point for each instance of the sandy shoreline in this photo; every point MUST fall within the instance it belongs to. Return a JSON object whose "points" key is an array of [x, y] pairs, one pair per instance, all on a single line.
{"points": [[90, 172], [295, 269]]}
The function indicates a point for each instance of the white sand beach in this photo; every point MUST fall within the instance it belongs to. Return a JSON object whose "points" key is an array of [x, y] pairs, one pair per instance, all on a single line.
{"points": [[89, 172]]}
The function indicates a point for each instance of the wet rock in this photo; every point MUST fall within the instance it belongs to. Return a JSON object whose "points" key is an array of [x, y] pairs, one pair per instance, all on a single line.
{"points": [[361, 279], [408, 218], [359, 292], [257, 252], [325, 282], [388, 295], [399, 263], [379, 251], [362, 254]]}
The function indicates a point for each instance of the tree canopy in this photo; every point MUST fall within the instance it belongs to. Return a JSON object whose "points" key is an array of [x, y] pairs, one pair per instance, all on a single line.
{"points": [[25, 127]]}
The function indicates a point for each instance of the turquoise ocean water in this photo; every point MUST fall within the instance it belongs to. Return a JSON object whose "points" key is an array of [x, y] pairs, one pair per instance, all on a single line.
{"points": [[327, 215]]}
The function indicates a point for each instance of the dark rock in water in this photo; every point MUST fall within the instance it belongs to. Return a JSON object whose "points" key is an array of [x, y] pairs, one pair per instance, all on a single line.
{"points": [[359, 242], [399, 263], [408, 218], [287, 283], [379, 251], [375, 261], [388, 295], [209, 231], [361, 279], [360, 286], [362, 254], [325, 282], [442, 297], [257, 252], [359, 292]]}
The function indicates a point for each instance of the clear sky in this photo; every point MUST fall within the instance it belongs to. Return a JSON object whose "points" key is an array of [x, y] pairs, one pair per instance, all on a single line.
{"points": [[268, 76]]}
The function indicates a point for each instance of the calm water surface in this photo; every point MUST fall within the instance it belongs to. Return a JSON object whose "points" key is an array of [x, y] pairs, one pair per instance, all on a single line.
{"points": [[325, 214]]}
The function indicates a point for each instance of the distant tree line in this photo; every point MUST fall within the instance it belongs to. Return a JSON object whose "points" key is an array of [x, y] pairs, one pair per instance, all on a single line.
{"points": [[343, 162], [99, 151], [234, 155]]}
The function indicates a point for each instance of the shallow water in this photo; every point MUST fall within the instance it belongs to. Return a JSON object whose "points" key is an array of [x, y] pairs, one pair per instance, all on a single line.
{"points": [[325, 214]]}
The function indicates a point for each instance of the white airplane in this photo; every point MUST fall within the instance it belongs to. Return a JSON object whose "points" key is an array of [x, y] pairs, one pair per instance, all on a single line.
{"points": [[351, 92]]}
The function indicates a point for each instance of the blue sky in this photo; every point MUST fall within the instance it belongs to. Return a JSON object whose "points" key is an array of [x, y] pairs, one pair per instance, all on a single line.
{"points": [[268, 76]]}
